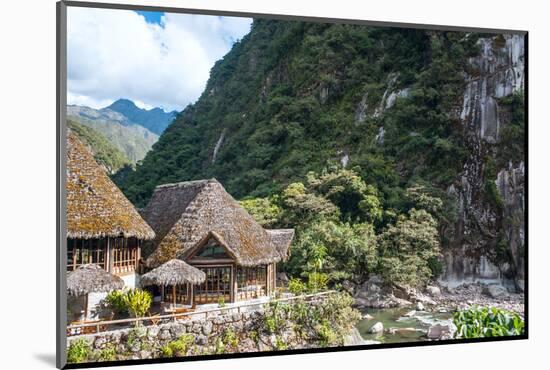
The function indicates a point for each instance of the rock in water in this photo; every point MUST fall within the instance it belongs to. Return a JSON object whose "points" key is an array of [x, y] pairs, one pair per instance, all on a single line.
{"points": [[441, 331], [367, 317], [377, 328], [420, 306], [410, 313]]}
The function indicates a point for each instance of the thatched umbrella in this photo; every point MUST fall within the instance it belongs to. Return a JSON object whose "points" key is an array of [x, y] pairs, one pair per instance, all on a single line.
{"points": [[90, 278], [174, 272]]}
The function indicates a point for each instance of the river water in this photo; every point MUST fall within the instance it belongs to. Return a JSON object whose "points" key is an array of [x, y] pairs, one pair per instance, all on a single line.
{"points": [[403, 329]]}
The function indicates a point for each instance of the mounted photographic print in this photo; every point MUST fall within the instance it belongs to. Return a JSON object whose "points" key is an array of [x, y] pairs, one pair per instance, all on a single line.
{"points": [[240, 185]]}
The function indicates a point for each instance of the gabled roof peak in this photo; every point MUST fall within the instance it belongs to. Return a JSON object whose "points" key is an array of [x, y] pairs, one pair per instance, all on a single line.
{"points": [[182, 214]]}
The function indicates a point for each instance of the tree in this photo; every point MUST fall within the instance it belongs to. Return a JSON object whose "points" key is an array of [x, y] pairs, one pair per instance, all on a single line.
{"points": [[349, 192], [342, 250], [265, 211], [407, 247], [301, 207]]}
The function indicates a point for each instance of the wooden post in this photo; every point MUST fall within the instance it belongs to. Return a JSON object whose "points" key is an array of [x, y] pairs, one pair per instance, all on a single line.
{"points": [[174, 295], [111, 256]]}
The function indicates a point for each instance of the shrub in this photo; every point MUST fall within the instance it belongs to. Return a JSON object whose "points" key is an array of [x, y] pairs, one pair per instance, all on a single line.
{"points": [[106, 354], [138, 302], [178, 347], [487, 322], [79, 351], [296, 286], [327, 336], [230, 338], [317, 282], [221, 302], [135, 335], [115, 301]]}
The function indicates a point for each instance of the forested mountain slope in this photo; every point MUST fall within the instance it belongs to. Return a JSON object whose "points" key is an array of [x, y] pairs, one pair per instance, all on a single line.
{"points": [[402, 108], [130, 138], [104, 152]]}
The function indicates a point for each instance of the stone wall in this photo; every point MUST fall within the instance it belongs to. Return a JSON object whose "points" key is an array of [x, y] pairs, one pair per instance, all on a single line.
{"points": [[233, 332]]}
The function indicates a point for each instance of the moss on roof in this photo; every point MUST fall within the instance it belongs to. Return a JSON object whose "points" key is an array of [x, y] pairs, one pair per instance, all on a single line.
{"points": [[96, 208]]}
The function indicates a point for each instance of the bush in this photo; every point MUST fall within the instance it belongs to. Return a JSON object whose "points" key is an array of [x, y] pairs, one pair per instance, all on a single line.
{"points": [[178, 347], [317, 282], [79, 351], [487, 322], [115, 301], [327, 336], [106, 354], [296, 286], [230, 338]]}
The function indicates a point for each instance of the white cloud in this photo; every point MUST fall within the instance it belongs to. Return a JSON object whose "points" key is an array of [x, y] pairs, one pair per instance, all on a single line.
{"points": [[116, 54]]}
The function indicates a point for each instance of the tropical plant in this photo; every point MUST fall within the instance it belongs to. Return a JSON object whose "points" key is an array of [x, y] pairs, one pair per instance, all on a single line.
{"points": [[480, 322], [138, 302]]}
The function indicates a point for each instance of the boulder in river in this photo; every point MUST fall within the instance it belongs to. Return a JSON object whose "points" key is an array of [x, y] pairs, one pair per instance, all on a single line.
{"points": [[420, 306], [441, 331], [377, 328]]}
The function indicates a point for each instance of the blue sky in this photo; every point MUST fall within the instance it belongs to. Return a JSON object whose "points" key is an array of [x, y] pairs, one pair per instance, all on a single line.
{"points": [[155, 59], [151, 17]]}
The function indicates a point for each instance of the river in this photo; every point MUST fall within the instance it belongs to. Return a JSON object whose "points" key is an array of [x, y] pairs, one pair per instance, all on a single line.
{"points": [[397, 327]]}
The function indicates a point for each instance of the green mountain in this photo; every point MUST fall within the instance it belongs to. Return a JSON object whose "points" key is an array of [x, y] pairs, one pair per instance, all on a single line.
{"points": [[131, 139], [401, 107], [155, 120], [104, 152]]}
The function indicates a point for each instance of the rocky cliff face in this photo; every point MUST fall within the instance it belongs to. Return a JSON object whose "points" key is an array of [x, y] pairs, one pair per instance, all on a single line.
{"points": [[489, 238]]}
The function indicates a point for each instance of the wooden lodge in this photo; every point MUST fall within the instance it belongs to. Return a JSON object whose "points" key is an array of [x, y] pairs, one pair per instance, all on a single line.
{"points": [[103, 227], [201, 224]]}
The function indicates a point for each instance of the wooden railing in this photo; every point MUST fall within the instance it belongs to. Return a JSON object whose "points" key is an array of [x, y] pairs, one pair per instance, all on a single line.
{"points": [[101, 326]]}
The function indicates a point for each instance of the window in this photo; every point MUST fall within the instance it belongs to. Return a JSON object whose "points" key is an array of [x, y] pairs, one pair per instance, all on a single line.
{"points": [[212, 250], [251, 282], [182, 296], [125, 255], [81, 251], [216, 286]]}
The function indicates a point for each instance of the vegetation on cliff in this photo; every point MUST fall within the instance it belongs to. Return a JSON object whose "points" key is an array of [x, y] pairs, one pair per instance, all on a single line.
{"points": [[330, 128]]}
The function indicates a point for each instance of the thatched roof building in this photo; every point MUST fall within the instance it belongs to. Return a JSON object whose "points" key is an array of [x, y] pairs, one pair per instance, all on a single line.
{"points": [[173, 272], [282, 238], [92, 278], [96, 208], [187, 214]]}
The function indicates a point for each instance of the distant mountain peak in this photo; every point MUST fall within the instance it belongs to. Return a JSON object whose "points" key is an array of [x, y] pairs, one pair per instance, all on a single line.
{"points": [[155, 120]]}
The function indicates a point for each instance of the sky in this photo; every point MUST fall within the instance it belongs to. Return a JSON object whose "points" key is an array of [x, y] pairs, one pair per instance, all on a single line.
{"points": [[155, 59]]}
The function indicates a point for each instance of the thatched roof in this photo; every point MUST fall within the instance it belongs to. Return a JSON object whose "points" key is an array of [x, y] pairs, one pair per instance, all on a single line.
{"points": [[185, 214], [173, 272], [282, 239], [91, 278], [96, 208]]}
